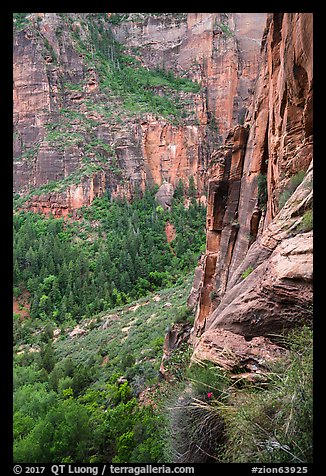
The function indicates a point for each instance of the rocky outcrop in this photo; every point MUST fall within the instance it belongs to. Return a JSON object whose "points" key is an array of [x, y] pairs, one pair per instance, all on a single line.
{"points": [[62, 121], [68, 201], [257, 269], [277, 293], [164, 195], [175, 336], [172, 153], [234, 353]]}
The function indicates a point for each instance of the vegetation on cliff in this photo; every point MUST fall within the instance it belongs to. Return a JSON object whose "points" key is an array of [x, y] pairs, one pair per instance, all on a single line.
{"points": [[272, 423], [96, 97], [122, 75]]}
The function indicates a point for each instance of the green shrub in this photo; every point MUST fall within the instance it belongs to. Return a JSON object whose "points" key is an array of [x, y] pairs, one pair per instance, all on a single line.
{"points": [[246, 273], [213, 295], [307, 221], [183, 314], [117, 18], [197, 429], [288, 191], [262, 191], [178, 361], [226, 29], [206, 378], [273, 424]]}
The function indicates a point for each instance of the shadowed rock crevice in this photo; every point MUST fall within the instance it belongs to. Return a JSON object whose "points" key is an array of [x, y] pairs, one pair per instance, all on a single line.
{"points": [[222, 226]]}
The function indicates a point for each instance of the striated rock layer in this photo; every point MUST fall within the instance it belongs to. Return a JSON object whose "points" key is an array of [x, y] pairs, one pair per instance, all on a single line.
{"points": [[220, 50], [57, 90], [255, 278]]}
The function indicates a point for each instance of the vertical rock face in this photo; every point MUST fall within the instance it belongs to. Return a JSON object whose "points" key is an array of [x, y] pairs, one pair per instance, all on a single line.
{"points": [[58, 100], [220, 50], [172, 153], [249, 284], [222, 224], [281, 132]]}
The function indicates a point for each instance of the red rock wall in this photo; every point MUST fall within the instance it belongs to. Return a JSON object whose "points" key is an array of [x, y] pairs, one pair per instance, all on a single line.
{"points": [[281, 137], [219, 50], [172, 153], [149, 149], [279, 145], [222, 221]]}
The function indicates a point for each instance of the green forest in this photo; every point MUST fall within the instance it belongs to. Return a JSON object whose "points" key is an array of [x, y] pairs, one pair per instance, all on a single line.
{"points": [[116, 252], [66, 409]]}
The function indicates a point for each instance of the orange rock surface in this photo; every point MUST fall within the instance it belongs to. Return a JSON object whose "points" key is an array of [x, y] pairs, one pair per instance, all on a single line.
{"points": [[256, 275], [220, 51]]}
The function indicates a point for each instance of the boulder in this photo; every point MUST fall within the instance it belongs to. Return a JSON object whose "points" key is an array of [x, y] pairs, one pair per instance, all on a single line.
{"points": [[233, 352]]}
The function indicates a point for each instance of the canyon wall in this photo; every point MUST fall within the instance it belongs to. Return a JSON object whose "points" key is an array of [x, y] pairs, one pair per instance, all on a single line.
{"points": [[219, 50], [246, 135], [73, 141], [255, 278]]}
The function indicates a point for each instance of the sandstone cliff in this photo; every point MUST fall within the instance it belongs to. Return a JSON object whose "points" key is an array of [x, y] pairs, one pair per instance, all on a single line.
{"points": [[73, 137], [256, 276], [220, 50]]}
